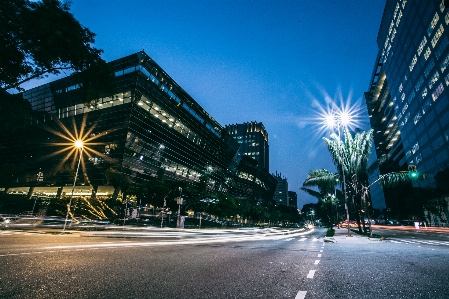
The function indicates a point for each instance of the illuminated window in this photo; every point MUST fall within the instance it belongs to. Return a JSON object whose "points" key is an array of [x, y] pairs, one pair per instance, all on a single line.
{"points": [[433, 23], [427, 53], [403, 97], [426, 106], [434, 79], [446, 79], [406, 117], [437, 92], [399, 18], [404, 108], [412, 65], [417, 117], [437, 36], [445, 63], [446, 18], [415, 148], [424, 93], [400, 86], [422, 45], [418, 158]]}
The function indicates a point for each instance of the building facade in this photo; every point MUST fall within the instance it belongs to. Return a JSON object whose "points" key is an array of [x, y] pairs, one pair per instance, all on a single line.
{"points": [[150, 123], [408, 96], [293, 199], [253, 139], [280, 196]]}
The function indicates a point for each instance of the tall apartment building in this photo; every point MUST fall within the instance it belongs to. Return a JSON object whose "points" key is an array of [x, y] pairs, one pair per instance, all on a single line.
{"points": [[253, 139], [150, 123], [408, 96]]}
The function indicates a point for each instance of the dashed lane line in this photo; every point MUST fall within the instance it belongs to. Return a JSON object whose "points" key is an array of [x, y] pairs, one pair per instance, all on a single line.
{"points": [[316, 262], [311, 274], [301, 295]]}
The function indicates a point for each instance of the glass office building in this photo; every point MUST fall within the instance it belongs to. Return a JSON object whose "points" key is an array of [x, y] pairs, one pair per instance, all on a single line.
{"points": [[408, 97], [253, 139], [150, 123]]}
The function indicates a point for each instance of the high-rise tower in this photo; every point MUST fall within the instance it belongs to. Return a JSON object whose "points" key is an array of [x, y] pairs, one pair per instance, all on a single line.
{"points": [[408, 97], [253, 139]]}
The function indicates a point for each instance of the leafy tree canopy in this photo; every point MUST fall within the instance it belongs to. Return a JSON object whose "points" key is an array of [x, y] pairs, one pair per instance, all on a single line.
{"points": [[38, 38]]}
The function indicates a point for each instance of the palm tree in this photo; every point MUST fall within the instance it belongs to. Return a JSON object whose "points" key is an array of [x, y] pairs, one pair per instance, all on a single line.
{"points": [[351, 159], [326, 182]]}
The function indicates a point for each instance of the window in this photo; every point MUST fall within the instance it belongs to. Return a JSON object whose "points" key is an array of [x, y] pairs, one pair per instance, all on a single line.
{"points": [[412, 95], [424, 93], [404, 108], [439, 90], [399, 19], [412, 65], [427, 53], [446, 79], [415, 148], [426, 106], [444, 63], [433, 23], [419, 83], [417, 117], [439, 51], [437, 36], [434, 79], [429, 67], [421, 45]]}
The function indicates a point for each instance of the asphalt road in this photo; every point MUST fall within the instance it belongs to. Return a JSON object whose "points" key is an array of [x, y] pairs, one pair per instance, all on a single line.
{"points": [[218, 264]]}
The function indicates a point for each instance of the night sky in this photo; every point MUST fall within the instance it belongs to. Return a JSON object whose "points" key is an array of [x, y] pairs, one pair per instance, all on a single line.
{"points": [[274, 62]]}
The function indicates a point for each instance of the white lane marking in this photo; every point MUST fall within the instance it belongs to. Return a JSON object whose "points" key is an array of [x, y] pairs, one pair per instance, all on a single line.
{"points": [[289, 239], [301, 295], [314, 240], [317, 262], [319, 255], [311, 273], [321, 250], [302, 239]]}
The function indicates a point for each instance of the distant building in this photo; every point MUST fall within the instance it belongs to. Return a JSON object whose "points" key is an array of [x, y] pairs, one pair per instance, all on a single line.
{"points": [[281, 193], [253, 139], [408, 96], [293, 199]]}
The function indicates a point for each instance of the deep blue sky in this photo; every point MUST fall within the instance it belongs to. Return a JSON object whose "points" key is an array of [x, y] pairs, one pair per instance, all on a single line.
{"points": [[253, 60]]}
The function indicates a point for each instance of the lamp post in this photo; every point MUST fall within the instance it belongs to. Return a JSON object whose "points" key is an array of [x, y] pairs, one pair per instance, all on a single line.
{"points": [[78, 144], [178, 223]]}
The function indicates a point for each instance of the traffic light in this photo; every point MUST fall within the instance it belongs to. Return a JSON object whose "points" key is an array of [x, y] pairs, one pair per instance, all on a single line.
{"points": [[412, 172]]}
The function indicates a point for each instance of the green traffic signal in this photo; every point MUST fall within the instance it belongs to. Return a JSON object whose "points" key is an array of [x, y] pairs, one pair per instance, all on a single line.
{"points": [[412, 172]]}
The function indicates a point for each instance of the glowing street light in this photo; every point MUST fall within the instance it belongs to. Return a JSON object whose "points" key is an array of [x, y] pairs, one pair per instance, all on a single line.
{"points": [[79, 145], [340, 118]]}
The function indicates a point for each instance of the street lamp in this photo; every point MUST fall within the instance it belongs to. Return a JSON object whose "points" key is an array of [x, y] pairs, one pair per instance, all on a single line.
{"points": [[79, 145], [340, 118]]}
